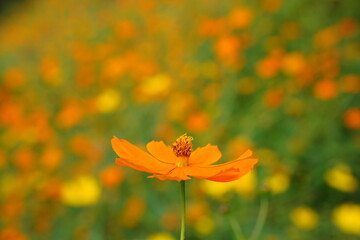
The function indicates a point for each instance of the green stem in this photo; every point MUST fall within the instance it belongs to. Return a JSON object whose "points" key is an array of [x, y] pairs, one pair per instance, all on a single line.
{"points": [[236, 229], [264, 205], [182, 186]]}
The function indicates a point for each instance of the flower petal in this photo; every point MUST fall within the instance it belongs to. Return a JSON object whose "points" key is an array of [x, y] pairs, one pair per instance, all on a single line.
{"points": [[161, 151], [134, 157], [126, 163], [246, 154], [230, 174], [224, 172], [177, 174], [205, 155]]}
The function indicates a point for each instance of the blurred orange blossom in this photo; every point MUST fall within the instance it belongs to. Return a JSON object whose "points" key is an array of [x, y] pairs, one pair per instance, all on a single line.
{"points": [[179, 161]]}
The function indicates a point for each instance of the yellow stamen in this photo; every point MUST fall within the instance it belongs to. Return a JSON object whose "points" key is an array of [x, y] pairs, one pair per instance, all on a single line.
{"points": [[182, 148]]}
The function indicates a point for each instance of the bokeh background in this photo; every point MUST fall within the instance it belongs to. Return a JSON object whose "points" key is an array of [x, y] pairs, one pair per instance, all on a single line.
{"points": [[279, 77]]}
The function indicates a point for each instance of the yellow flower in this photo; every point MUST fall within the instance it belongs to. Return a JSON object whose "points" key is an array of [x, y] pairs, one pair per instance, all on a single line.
{"points": [[155, 87], [108, 101], [246, 186], [161, 236], [216, 189], [278, 182], [81, 191], [347, 218], [304, 218], [205, 225], [340, 178]]}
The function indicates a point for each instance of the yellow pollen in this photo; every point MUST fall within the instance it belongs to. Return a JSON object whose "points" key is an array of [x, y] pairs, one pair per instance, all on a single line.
{"points": [[182, 147]]}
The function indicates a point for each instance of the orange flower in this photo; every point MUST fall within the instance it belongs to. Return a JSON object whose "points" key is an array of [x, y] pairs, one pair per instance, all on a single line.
{"points": [[179, 161]]}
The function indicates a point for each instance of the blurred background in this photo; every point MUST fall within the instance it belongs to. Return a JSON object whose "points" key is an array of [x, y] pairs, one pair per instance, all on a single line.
{"points": [[279, 77]]}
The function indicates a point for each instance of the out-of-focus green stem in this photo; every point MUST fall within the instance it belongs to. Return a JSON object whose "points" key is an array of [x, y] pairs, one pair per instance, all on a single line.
{"points": [[264, 205], [236, 228], [183, 213]]}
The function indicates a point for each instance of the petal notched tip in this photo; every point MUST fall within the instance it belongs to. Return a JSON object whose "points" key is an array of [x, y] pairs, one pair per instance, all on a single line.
{"points": [[248, 153]]}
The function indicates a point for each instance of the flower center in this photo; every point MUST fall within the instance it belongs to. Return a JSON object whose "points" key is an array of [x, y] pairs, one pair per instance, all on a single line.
{"points": [[182, 148]]}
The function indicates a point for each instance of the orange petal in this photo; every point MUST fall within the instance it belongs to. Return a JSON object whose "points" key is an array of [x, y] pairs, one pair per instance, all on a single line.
{"points": [[246, 154], [161, 151], [177, 174], [126, 163], [224, 172], [204, 155], [229, 175], [134, 157]]}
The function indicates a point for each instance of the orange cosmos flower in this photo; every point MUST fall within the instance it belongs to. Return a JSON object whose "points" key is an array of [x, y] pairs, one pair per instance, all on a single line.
{"points": [[179, 161]]}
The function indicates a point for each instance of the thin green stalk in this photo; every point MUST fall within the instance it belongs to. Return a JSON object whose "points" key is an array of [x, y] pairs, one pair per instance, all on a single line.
{"points": [[182, 233], [236, 228], [264, 205]]}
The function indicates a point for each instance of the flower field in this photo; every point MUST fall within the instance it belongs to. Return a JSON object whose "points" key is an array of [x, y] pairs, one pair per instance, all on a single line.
{"points": [[281, 78]]}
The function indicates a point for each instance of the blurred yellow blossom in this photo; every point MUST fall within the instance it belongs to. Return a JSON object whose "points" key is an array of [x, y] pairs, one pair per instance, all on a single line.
{"points": [[108, 101], [347, 218], [293, 63], [278, 182], [216, 189], [340, 178], [154, 87], [246, 185], [81, 191], [205, 225], [304, 218], [161, 236]]}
